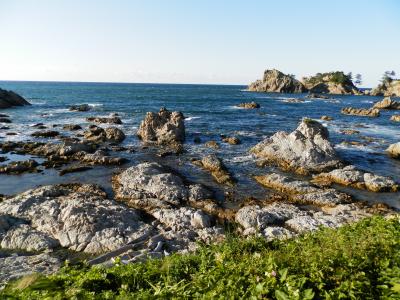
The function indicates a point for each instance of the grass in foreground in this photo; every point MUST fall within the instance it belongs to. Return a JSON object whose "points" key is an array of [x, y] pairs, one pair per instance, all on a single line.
{"points": [[359, 261]]}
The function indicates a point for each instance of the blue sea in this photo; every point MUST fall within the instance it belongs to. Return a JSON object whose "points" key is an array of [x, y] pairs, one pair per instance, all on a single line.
{"points": [[210, 112]]}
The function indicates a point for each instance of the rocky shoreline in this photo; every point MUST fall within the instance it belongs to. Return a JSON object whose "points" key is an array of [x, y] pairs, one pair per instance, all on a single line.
{"points": [[153, 209]]}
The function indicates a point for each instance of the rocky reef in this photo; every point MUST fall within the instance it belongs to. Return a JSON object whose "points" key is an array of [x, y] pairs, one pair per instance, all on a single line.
{"points": [[277, 82], [9, 99], [364, 112]]}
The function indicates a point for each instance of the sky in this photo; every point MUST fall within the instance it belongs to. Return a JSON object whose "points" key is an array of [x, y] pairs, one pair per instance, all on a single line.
{"points": [[188, 41]]}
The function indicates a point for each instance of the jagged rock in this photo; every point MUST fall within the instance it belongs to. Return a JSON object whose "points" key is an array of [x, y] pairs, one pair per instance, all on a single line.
{"points": [[249, 105], [106, 120], [387, 103], [216, 167], [164, 127], [326, 118], [394, 150], [317, 96], [254, 216], [276, 81], [388, 88], [24, 237], [330, 83], [46, 134], [79, 107], [78, 216], [302, 191], [10, 99], [350, 176], [70, 148], [72, 127], [99, 158], [370, 112], [18, 167], [232, 140], [14, 267], [151, 185], [305, 150], [97, 134], [395, 118]]}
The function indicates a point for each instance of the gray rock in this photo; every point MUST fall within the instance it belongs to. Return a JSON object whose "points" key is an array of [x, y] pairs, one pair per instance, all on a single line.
{"points": [[105, 120], [164, 127], [79, 107], [305, 150], [276, 81]]}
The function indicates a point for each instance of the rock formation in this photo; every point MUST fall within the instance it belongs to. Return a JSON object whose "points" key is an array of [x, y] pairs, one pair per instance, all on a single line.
{"points": [[249, 105], [394, 150], [388, 88], [79, 107], [387, 103], [350, 176], [305, 150], [330, 83], [216, 167], [9, 99], [364, 112], [395, 118], [162, 128], [277, 82]]}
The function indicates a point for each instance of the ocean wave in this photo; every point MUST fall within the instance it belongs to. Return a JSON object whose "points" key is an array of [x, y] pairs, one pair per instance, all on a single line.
{"points": [[95, 104], [191, 118], [240, 159]]}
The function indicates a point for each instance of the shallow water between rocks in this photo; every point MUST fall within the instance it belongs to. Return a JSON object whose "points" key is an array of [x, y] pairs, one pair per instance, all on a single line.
{"points": [[210, 112]]}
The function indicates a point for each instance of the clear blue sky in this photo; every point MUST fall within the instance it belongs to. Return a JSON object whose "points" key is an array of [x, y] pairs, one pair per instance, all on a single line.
{"points": [[188, 41]]}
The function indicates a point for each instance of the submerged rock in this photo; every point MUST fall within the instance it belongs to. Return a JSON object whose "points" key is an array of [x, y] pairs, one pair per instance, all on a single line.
{"points": [[9, 99], [249, 105], [277, 82], [72, 127], [217, 169], [326, 118], [370, 112], [79, 107], [18, 167], [5, 120], [106, 120], [350, 176], [46, 134], [232, 140], [164, 127], [305, 150]]}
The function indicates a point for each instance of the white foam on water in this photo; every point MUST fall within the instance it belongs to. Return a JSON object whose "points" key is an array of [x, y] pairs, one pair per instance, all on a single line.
{"points": [[191, 118], [240, 159], [96, 104], [355, 147], [380, 131]]}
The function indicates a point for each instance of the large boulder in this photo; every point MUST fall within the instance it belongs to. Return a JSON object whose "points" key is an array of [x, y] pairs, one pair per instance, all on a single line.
{"points": [[97, 134], [305, 150], [151, 185], [394, 150], [10, 99], [277, 82], [164, 127]]}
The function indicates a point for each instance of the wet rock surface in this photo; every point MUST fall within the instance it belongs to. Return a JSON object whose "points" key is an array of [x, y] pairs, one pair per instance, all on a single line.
{"points": [[394, 150], [105, 120], [305, 150], [217, 169], [164, 127], [18, 167], [80, 107], [9, 99], [249, 105]]}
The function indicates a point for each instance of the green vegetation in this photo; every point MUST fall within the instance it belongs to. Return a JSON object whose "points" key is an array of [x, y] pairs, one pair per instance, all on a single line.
{"points": [[359, 261], [334, 77]]}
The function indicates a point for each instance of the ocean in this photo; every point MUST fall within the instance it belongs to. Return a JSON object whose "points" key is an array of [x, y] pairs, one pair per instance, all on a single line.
{"points": [[210, 111]]}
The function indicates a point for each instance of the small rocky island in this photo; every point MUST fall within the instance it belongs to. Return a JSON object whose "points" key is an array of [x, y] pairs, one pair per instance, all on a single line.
{"points": [[275, 81], [9, 99]]}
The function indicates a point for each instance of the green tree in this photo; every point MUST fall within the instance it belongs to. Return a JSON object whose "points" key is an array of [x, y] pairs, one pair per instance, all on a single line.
{"points": [[358, 79]]}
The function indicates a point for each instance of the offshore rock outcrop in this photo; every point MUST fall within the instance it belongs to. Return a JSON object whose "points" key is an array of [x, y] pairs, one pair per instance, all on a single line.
{"points": [[162, 128], [249, 105], [277, 82], [331, 83], [306, 150], [9, 99], [388, 88], [364, 112], [387, 103], [394, 150]]}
